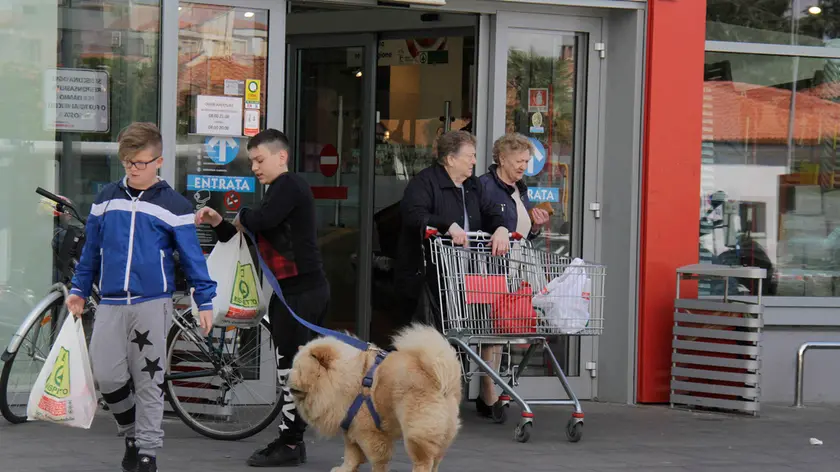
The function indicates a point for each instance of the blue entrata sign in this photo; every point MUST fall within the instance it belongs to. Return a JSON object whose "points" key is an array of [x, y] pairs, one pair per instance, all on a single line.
{"points": [[220, 183], [221, 150], [544, 194], [537, 162]]}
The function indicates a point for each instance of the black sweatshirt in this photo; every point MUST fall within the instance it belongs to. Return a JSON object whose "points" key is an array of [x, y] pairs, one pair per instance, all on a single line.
{"points": [[284, 224]]}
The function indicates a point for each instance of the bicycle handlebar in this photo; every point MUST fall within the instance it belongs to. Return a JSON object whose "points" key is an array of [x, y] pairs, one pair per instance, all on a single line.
{"points": [[44, 193], [61, 203]]}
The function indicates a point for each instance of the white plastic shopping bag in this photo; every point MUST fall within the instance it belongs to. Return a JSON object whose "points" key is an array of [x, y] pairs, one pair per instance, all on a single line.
{"points": [[239, 296], [65, 392], [563, 304]]}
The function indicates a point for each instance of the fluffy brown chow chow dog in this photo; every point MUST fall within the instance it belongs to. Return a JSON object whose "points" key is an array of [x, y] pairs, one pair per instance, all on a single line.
{"points": [[416, 392]]}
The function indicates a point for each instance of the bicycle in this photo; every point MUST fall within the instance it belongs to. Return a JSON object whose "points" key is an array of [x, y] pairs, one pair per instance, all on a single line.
{"points": [[217, 375]]}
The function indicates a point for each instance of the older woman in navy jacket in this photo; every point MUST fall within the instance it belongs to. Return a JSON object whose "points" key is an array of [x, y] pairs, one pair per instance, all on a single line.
{"points": [[447, 196], [504, 188]]}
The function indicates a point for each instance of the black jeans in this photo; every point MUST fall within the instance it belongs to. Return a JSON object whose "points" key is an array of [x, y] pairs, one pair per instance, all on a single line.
{"points": [[288, 335]]}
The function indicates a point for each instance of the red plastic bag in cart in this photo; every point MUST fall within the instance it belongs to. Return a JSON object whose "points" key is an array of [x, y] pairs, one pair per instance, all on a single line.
{"points": [[484, 289], [512, 313]]}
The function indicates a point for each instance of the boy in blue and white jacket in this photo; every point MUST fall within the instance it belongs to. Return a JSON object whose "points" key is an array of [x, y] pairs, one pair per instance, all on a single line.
{"points": [[132, 230]]}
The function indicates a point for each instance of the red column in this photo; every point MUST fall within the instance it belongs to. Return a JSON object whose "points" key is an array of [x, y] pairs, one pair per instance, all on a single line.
{"points": [[670, 179]]}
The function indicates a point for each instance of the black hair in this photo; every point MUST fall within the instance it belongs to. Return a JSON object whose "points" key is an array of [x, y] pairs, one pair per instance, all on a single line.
{"points": [[270, 137]]}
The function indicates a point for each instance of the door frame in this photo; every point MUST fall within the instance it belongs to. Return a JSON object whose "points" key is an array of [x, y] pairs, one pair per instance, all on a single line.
{"points": [[587, 159], [275, 77], [367, 41]]}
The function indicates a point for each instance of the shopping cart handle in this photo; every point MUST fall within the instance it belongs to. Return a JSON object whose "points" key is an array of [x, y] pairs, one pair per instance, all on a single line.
{"points": [[431, 232]]}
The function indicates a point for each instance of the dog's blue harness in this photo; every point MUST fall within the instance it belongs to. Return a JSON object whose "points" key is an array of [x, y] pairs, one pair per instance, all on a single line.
{"points": [[367, 382], [365, 398]]}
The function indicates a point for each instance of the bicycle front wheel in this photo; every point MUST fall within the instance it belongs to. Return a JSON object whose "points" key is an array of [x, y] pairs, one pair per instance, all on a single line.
{"points": [[223, 386], [21, 369]]}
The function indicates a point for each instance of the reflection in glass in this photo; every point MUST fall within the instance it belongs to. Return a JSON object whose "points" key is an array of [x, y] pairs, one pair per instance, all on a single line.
{"points": [[219, 49], [793, 22], [770, 192], [541, 94], [72, 75]]}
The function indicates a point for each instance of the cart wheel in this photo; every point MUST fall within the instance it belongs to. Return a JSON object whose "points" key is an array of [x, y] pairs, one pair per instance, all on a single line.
{"points": [[523, 432], [500, 412], [574, 430]]}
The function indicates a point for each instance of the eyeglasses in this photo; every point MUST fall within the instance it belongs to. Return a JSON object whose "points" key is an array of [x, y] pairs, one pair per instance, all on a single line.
{"points": [[140, 165]]}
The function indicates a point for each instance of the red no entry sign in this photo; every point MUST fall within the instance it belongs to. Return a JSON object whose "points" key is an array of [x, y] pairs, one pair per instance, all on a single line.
{"points": [[329, 160], [232, 201]]}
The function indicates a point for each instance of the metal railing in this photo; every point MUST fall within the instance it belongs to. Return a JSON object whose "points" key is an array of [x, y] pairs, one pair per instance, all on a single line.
{"points": [[800, 365]]}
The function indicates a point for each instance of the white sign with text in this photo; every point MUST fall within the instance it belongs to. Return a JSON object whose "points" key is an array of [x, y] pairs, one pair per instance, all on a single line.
{"points": [[218, 116], [76, 100]]}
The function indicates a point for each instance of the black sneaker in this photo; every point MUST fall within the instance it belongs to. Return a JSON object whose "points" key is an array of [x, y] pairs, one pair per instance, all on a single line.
{"points": [[279, 454], [129, 462], [146, 463], [484, 410]]}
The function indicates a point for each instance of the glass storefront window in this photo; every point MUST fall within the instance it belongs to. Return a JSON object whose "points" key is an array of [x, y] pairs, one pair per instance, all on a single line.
{"points": [[222, 56], [770, 181], [75, 74], [541, 93], [541, 90], [791, 22]]}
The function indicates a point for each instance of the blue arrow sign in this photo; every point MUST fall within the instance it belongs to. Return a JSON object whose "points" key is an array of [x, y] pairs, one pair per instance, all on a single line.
{"points": [[221, 150], [537, 162]]}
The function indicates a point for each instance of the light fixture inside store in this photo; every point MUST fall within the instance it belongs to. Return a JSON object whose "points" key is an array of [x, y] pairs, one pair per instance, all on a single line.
{"points": [[179, 8], [358, 74], [249, 14], [814, 10]]}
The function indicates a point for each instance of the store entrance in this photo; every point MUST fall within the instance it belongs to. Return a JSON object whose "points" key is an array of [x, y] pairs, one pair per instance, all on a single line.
{"points": [[369, 90], [363, 113]]}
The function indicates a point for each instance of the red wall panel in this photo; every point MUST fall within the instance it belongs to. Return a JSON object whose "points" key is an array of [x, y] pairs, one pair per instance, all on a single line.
{"points": [[670, 179]]}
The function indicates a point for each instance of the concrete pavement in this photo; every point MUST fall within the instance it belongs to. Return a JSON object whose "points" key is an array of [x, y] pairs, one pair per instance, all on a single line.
{"points": [[616, 437]]}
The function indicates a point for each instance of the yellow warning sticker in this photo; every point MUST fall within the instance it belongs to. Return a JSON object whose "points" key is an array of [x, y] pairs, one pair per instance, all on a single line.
{"points": [[244, 287], [58, 383], [252, 90]]}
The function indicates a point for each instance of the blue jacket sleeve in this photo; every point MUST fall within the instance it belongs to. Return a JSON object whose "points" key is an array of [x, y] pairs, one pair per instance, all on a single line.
{"points": [[491, 215], [88, 267], [193, 262]]}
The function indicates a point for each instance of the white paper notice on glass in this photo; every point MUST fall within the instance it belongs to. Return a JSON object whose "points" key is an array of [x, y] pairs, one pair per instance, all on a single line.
{"points": [[218, 116], [76, 100]]}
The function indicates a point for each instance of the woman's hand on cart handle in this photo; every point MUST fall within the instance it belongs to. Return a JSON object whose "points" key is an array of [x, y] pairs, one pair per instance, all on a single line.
{"points": [[500, 241], [458, 235]]}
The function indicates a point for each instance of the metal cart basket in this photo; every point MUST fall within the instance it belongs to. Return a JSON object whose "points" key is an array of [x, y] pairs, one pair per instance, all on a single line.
{"points": [[514, 300]]}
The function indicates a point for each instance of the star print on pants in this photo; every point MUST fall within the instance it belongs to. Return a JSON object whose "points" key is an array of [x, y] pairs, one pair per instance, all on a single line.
{"points": [[161, 386], [141, 339], [152, 367]]}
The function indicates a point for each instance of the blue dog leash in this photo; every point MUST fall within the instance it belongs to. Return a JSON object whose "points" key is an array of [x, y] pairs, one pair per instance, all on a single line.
{"points": [[357, 343], [362, 398]]}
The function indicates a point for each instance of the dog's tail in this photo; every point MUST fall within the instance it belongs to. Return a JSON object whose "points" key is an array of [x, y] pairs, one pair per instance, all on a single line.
{"points": [[437, 357]]}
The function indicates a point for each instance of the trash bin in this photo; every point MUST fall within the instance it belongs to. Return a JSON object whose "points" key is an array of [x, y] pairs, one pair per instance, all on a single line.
{"points": [[716, 345]]}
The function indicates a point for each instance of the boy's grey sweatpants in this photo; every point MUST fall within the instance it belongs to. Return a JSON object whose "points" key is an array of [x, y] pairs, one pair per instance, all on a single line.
{"points": [[128, 355]]}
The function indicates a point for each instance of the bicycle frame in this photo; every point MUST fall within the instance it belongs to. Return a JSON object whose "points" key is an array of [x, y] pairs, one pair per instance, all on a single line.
{"points": [[57, 292]]}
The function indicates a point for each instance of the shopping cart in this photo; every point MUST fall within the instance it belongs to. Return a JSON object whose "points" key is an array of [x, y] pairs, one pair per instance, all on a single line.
{"points": [[515, 300]]}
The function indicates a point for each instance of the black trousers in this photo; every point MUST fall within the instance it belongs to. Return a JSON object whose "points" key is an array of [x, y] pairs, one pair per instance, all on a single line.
{"points": [[288, 335]]}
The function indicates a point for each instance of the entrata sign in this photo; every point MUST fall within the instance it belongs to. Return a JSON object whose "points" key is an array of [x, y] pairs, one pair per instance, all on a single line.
{"points": [[329, 160]]}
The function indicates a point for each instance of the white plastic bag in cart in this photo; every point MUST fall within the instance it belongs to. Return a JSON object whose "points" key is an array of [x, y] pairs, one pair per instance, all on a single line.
{"points": [[239, 296], [563, 304], [65, 392]]}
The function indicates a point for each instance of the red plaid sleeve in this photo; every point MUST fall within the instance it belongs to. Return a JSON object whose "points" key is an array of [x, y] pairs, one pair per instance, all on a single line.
{"points": [[282, 267]]}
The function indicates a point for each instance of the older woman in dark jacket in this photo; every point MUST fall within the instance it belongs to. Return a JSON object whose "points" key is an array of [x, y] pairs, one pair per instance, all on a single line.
{"points": [[504, 187], [446, 196]]}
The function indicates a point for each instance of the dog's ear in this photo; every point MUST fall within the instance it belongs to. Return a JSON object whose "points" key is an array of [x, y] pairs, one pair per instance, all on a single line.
{"points": [[324, 354]]}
